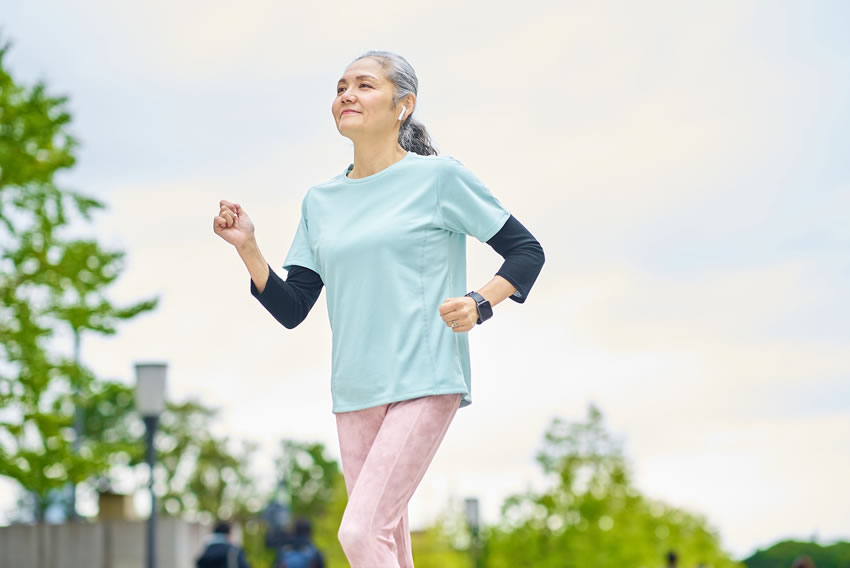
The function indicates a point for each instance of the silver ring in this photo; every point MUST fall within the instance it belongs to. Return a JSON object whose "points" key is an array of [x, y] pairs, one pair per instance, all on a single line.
{"points": [[453, 323]]}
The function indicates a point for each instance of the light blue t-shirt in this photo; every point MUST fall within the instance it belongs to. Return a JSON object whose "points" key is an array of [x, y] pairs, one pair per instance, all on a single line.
{"points": [[390, 248]]}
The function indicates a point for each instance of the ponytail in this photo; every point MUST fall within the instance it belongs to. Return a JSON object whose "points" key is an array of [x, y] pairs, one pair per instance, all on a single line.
{"points": [[413, 137]]}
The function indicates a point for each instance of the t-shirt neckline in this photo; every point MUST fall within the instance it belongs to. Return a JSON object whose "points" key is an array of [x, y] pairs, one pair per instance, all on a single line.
{"points": [[347, 179]]}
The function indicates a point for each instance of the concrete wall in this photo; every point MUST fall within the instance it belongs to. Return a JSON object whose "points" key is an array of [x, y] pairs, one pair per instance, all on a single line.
{"points": [[110, 544]]}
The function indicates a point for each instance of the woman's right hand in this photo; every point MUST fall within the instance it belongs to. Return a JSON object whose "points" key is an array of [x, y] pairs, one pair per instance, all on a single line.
{"points": [[232, 224]]}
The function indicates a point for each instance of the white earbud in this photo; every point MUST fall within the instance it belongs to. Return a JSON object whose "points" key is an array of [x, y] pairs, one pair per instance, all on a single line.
{"points": [[403, 110]]}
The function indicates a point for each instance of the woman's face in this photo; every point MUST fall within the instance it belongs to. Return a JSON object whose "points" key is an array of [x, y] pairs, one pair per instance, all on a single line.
{"points": [[364, 101]]}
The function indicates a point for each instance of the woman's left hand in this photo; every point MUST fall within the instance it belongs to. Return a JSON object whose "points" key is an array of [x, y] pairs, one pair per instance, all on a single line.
{"points": [[460, 314]]}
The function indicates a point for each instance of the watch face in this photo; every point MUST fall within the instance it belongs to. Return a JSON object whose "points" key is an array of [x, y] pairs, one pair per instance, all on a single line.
{"points": [[485, 311]]}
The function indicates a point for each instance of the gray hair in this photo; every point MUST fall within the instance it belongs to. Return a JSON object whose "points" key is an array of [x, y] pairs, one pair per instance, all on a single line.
{"points": [[412, 135]]}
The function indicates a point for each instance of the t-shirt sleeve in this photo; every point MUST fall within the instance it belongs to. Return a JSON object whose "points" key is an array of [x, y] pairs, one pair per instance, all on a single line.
{"points": [[301, 250], [466, 205]]}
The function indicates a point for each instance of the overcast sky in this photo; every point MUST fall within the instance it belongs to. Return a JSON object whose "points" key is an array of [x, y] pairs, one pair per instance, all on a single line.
{"points": [[684, 167]]}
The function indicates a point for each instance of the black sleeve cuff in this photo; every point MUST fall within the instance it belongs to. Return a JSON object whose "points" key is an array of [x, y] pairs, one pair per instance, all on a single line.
{"points": [[523, 257]]}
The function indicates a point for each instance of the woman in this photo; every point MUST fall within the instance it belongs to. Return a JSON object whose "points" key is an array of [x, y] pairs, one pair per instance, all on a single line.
{"points": [[387, 238]]}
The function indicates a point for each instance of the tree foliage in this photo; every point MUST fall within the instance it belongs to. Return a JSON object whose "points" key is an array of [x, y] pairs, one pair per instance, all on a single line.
{"points": [[198, 474], [592, 515], [311, 486], [784, 553], [202, 474], [446, 543], [307, 477], [326, 525], [52, 285]]}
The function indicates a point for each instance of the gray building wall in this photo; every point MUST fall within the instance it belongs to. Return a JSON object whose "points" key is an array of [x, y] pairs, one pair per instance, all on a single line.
{"points": [[108, 544]]}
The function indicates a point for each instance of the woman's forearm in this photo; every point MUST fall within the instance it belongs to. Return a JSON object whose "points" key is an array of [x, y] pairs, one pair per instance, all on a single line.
{"points": [[497, 290], [257, 266]]}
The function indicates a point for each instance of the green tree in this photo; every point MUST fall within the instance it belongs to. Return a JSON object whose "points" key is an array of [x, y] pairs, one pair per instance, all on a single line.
{"points": [[201, 474], [52, 285], [306, 477], [197, 475], [783, 554], [592, 515], [326, 525], [446, 543], [313, 487]]}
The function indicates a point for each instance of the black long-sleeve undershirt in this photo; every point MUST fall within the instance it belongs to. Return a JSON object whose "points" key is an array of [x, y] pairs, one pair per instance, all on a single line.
{"points": [[523, 257], [290, 300]]}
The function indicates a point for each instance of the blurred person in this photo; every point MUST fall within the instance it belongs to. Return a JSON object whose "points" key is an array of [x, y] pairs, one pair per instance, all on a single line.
{"points": [[672, 559], [803, 562], [387, 238], [300, 552], [220, 552]]}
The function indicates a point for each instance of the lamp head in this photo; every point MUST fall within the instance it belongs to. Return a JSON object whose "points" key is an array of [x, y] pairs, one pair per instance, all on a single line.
{"points": [[150, 388]]}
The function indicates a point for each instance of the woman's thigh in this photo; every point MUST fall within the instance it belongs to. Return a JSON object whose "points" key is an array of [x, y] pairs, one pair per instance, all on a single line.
{"points": [[407, 441], [357, 431]]}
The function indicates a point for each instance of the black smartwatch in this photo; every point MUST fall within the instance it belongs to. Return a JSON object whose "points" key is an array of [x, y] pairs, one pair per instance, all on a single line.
{"points": [[485, 310]]}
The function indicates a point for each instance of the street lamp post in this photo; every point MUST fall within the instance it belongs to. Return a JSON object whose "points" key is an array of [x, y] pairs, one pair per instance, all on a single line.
{"points": [[150, 402], [474, 522]]}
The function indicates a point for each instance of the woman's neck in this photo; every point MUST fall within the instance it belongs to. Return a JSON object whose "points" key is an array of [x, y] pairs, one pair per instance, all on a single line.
{"points": [[369, 159]]}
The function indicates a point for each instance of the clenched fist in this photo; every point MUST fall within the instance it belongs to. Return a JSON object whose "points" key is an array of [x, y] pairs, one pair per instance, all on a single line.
{"points": [[232, 224], [460, 314]]}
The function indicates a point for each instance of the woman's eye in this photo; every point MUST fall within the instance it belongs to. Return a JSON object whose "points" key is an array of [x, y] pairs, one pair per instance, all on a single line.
{"points": [[341, 89]]}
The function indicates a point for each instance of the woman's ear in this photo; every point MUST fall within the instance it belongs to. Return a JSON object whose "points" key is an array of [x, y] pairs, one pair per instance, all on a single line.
{"points": [[410, 103]]}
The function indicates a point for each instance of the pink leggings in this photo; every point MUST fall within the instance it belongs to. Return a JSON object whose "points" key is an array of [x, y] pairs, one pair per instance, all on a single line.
{"points": [[385, 451]]}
